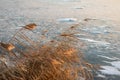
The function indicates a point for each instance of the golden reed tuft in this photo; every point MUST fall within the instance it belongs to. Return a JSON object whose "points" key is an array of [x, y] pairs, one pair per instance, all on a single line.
{"points": [[58, 59]]}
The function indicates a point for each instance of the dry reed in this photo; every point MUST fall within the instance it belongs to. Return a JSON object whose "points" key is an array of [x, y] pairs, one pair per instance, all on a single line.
{"points": [[54, 60]]}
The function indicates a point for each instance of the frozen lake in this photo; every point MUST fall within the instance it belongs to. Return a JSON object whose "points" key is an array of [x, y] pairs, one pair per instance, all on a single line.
{"points": [[99, 26]]}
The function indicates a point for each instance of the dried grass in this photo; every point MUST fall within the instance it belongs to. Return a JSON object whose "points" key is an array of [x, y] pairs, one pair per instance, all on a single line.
{"points": [[55, 60]]}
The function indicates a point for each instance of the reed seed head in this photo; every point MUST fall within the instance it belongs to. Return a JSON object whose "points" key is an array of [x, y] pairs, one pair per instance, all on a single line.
{"points": [[30, 26], [8, 46]]}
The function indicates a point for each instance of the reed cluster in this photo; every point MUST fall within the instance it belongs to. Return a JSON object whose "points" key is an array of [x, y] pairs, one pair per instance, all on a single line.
{"points": [[58, 59]]}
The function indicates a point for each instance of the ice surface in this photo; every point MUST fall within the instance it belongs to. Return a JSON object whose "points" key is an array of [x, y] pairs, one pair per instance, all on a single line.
{"points": [[98, 29]]}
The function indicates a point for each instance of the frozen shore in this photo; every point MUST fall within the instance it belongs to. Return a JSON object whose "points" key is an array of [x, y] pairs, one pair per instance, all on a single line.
{"points": [[98, 19]]}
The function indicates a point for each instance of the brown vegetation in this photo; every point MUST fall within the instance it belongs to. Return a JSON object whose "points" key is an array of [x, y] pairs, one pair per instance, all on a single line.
{"points": [[55, 60]]}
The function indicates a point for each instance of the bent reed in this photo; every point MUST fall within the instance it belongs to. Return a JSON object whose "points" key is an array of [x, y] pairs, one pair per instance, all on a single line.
{"points": [[58, 59]]}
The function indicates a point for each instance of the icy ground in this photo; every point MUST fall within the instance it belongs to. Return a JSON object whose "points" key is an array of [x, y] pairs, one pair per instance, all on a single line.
{"points": [[100, 32]]}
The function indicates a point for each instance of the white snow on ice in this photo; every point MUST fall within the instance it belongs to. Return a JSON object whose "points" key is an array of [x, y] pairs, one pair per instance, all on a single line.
{"points": [[67, 20], [96, 42], [109, 70], [100, 75], [109, 58], [116, 64]]}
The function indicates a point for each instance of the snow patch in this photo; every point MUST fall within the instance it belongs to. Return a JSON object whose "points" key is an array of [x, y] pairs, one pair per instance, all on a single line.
{"points": [[116, 64], [109, 70], [109, 58], [96, 42], [100, 75], [67, 20]]}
